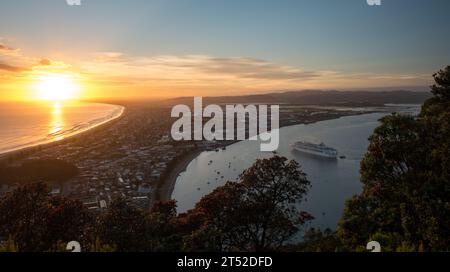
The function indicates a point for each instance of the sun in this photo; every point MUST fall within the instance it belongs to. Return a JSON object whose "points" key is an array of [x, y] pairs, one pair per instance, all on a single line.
{"points": [[56, 87]]}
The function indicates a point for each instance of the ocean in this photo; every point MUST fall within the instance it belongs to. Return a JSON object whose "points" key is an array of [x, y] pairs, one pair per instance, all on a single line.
{"points": [[29, 124]]}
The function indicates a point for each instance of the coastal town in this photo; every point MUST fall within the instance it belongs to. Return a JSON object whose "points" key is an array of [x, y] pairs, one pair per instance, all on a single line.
{"points": [[134, 156]]}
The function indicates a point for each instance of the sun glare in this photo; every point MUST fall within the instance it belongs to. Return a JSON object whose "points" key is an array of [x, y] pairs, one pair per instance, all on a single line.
{"points": [[56, 87]]}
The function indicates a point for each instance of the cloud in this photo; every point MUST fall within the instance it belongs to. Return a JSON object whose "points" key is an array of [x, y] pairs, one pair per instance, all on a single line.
{"points": [[45, 62], [21, 64], [249, 68], [209, 75], [109, 57], [203, 67], [6, 50], [11, 68], [47, 65], [11, 59]]}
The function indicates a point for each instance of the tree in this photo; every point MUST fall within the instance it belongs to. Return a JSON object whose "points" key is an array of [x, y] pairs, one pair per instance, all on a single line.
{"points": [[123, 226], [23, 217], [406, 178], [162, 231], [441, 89], [315, 240], [36, 222], [98, 246], [9, 246], [68, 220], [258, 213]]}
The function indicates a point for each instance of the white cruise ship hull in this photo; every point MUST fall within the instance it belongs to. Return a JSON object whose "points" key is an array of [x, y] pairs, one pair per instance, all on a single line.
{"points": [[320, 150], [315, 153]]}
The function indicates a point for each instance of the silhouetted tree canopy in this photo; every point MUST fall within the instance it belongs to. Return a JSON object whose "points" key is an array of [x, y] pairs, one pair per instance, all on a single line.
{"points": [[123, 226], [258, 213], [37, 222], [406, 177]]}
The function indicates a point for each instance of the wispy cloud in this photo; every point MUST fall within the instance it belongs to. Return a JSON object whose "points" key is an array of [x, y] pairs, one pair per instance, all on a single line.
{"points": [[18, 65], [7, 50], [10, 68], [208, 75], [194, 68], [109, 57], [245, 68]]}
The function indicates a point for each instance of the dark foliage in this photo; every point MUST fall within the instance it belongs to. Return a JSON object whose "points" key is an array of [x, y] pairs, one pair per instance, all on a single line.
{"points": [[31, 171], [406, 177], [37, 222], [259, 213]]}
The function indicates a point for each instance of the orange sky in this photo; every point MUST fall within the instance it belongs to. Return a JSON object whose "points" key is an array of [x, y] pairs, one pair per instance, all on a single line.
{"points": [[108, 75]]}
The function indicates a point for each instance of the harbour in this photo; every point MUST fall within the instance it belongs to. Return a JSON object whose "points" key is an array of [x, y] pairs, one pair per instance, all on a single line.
{"points": [[333, 181]]}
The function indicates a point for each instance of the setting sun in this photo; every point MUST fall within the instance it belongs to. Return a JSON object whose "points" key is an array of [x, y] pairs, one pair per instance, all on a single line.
{"points": [[56, 87]]}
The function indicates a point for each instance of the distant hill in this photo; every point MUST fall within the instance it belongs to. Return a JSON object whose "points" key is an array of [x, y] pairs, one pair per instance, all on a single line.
{"points": [[330, 98]]}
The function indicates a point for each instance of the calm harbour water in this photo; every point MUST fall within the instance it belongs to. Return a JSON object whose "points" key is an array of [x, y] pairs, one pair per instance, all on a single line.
{"points": [[333, 182], [25, 125]]}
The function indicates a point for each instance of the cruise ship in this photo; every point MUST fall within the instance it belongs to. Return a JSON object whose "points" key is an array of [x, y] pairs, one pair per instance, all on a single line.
{"points": [[316, 149]]}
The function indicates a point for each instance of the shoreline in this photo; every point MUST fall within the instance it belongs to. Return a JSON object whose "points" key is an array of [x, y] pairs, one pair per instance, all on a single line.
{"points": [[165, 189], [167, 186], [17, 153]]}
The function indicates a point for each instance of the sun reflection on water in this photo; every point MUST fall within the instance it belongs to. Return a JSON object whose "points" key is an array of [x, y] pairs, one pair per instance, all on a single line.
{"points": [[57, 121]]}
